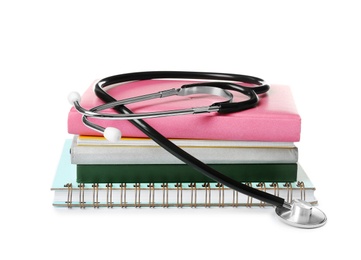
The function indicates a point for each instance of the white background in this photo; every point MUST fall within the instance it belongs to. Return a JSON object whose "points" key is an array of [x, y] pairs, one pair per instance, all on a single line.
{"points": [[49, 48]]}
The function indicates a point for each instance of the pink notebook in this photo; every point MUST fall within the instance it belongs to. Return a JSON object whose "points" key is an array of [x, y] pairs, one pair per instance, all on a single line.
{"points": [[275, 119]]}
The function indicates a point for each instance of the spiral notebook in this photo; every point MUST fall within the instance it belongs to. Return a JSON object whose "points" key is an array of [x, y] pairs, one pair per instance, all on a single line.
{"points": [[69, 193]]}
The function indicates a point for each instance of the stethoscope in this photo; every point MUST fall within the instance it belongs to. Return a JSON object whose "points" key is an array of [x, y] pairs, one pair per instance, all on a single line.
{"points": [[298, 213]]}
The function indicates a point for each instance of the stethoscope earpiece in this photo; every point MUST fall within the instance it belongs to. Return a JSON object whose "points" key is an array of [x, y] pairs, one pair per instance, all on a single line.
{"points": [[112, 134], [74, 97]]}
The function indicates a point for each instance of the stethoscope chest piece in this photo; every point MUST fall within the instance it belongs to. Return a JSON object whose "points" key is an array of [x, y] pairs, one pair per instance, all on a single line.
{"points": [[302, 214]]}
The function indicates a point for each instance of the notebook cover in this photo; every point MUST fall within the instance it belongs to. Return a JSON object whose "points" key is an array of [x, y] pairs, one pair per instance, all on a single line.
{"points": [[151, 173], [143, 152], [274, 119]]}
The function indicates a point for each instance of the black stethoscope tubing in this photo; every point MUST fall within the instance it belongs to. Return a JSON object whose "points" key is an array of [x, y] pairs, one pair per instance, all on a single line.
{"points": [[171, 147]]}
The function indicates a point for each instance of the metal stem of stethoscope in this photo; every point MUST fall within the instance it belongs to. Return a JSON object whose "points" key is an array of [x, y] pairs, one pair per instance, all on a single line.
{"points": [[74, 98], [298, 213]]}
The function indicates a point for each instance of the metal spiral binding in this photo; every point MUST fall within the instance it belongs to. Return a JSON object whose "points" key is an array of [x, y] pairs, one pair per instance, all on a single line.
{"points": [[276, 190], [151, 195], [220, 195], [249, 199], [165, 195], [69, 199], [179, 188], [172, 195], [289, 192], [234, 199], [95, 187], [301, 185], [109, 195], [262, 187], [81, 196], [137, 195], [123, 195], [193, 188], [207, 199]]}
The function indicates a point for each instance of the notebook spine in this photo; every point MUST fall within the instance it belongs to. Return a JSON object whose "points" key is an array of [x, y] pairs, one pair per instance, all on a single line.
{"points": [[158, 195]]}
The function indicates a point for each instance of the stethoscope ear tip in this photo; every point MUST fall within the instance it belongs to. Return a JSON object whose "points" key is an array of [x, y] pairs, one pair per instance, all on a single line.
{"points": [[112, 134], [74, 97]]}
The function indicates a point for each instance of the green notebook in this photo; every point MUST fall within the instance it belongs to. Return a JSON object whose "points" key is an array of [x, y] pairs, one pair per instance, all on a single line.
{"points": [[138, 173]]}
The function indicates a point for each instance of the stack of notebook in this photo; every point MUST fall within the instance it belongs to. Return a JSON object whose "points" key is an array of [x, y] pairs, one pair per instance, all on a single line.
{"points": [[256, 146]]}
